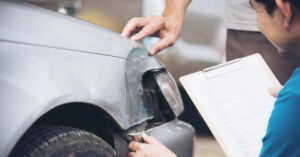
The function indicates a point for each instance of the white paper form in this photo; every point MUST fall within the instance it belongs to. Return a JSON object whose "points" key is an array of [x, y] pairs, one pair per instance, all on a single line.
{"points": [[235, 103]]}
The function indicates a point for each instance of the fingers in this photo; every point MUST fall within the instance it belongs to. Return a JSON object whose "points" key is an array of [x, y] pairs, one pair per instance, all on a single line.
{"points": [[132, 154], [146, 31], [275, 90], [167, 28], [131, 26], [150, 139], [135, 146], [162, 44], [148, 25]]}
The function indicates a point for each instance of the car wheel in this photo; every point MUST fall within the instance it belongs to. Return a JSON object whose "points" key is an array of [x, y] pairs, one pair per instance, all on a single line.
{"points": [[62, 142]]}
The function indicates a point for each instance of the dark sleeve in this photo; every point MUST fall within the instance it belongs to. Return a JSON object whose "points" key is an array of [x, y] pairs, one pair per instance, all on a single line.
{"points": [[283, 133]]}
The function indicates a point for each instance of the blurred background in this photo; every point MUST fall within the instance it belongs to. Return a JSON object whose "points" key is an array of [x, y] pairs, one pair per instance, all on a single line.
{"points": [[201, 44]]}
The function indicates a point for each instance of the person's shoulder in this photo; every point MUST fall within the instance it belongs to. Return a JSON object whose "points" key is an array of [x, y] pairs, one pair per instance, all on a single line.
{"points": [[297, 72]]}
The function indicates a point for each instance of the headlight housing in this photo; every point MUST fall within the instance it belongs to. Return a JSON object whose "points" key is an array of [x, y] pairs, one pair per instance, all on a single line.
{"points": [[169, 90]]}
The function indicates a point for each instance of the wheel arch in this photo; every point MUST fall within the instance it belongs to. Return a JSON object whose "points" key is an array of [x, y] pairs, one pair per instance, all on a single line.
{"points": [[80, 115]]}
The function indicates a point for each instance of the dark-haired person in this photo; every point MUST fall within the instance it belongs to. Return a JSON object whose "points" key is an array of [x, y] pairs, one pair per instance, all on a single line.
{"points": [[243, 36], [279, 21]]}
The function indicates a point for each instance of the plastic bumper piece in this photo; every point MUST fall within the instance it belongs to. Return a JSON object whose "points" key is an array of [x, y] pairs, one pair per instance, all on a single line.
{"points": [[177, 135]]}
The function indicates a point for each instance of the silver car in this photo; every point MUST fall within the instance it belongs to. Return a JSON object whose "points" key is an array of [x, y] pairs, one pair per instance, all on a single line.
{"points": [[71, 88]]}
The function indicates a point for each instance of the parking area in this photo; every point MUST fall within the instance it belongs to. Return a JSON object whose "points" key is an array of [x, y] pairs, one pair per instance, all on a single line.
{"points": [[207, 147]]}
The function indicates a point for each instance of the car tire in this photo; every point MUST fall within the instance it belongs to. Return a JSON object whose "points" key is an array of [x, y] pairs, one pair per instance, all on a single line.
{"points": [[62, 142]]}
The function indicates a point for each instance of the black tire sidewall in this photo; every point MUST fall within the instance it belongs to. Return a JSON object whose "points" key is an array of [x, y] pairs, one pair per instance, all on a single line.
{"points": [[62, 142]]}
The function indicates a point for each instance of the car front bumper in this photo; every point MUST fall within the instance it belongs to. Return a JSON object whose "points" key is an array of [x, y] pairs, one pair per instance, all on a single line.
{"points": [[177, 135]]}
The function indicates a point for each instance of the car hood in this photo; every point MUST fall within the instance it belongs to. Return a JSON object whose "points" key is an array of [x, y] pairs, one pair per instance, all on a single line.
{"points": [[41, 27]]}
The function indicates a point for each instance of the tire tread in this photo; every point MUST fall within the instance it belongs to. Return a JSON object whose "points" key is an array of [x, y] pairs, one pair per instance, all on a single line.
{"points": [[40, 140]]}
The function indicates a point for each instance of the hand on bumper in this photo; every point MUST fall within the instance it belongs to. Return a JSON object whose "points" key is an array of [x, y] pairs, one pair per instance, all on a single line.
{"points": [[151, 148]]}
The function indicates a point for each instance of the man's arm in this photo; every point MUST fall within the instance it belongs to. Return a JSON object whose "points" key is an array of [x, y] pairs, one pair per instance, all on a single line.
{"points": [[176, 7], [167, 27]]}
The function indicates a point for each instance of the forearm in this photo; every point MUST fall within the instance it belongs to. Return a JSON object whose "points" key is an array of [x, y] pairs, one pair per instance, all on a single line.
{"points": [[176, 7]]}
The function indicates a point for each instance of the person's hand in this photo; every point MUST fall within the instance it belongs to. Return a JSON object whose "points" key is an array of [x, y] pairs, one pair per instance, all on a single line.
{"points": [[275, 90], [167, 27], [151, 148]]}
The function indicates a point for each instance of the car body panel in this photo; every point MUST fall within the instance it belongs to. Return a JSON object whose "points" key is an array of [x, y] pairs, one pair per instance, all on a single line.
{"points": [[38, 26], [38, 79], [35, 80]]}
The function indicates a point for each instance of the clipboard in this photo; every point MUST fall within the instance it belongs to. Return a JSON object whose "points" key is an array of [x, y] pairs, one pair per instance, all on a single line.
{"points": [[252, 75]]}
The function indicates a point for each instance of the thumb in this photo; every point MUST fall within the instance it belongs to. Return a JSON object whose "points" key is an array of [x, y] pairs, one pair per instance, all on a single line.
{"points": [[275, 90], [150, 139]]}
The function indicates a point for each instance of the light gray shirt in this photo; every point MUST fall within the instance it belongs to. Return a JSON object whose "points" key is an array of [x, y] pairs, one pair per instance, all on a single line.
{"points": [[240, 15]]}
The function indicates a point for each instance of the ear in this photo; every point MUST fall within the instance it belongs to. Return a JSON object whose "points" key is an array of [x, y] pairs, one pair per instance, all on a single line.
{"points": [[286, 9]]}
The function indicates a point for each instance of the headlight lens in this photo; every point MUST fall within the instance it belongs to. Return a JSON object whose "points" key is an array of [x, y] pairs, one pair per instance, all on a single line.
{"points": [[170, 91]]}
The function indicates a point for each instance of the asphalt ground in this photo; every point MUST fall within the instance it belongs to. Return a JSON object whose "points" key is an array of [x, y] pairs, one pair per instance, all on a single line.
{"points": [[207, 147]]}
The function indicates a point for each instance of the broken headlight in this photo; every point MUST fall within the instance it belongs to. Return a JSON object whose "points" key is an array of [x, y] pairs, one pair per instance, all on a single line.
{"points": [[169, 90]]}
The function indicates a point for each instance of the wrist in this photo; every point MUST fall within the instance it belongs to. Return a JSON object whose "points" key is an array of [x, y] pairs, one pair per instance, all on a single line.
{"points": [[177, 16], [176, 7], [172, 13]]}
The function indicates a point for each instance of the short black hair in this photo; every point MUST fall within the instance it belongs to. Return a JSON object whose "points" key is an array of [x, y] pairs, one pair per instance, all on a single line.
{"points": [[270, 5]]}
